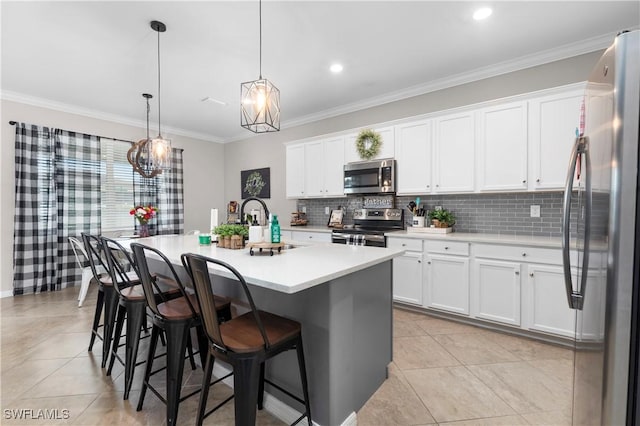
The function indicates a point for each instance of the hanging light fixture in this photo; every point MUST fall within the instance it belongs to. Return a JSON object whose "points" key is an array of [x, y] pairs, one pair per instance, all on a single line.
{"points": [[150, 157], [260, 101], [141, 155]]}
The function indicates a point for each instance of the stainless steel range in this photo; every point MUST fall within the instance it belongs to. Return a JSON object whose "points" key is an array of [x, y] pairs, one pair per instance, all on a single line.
{"points": [[369, 227]]}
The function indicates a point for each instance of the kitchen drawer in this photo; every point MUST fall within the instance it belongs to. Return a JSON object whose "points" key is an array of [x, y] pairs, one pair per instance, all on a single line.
{"points": [[412, 244], [520, 253], [447, 247], [320, 237]]}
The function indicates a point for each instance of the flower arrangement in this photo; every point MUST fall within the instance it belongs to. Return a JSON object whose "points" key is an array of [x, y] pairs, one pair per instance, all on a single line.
{"points": [[144, 213]]}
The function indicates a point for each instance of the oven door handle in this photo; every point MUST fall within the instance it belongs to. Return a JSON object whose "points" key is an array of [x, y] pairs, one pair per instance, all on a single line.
{"points": [[339, 236], [374, 238]]}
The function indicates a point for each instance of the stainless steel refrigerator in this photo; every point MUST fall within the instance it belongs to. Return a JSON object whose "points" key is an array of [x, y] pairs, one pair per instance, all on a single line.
{"points": [[601, 250]]}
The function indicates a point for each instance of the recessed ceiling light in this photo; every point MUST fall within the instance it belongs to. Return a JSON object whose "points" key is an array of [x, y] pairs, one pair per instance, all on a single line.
{"points": [[336, 68], [482, 13]]}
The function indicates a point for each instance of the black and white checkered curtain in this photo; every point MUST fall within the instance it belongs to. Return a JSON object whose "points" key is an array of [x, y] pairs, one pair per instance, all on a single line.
{"points": [[171, 197], [57, 195]]}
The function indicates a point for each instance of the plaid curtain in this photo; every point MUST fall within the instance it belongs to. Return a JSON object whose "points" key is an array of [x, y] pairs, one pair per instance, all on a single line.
{"points": [[57, 195], [166, 192], [171, 197]]}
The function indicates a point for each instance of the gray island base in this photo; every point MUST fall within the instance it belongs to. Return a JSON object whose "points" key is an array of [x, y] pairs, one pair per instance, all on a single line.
{"points": [[342, 296]]}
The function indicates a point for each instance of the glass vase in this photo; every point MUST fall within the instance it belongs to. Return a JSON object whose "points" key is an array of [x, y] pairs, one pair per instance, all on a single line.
{"points": [[143, 230]]}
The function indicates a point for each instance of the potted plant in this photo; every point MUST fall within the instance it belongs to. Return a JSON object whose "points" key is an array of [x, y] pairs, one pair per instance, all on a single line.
{"points": [[224, 235], [238, 232], [442, 218]]}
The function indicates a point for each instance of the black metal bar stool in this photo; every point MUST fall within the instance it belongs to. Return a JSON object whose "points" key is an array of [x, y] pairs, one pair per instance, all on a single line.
{"points": [[175, 317], [132, 304], [107, 296], [245, 342]]}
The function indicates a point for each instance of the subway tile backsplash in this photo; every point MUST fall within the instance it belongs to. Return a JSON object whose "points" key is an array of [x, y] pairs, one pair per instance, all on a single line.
{"points": [[486, 213]]}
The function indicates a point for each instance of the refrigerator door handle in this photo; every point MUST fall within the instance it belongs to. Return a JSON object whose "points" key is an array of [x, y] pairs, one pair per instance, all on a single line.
{"points": [[576, 298]]}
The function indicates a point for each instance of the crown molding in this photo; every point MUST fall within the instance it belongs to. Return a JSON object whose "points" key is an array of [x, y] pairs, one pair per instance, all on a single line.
{"points": [[85, 112], [562, 52]]}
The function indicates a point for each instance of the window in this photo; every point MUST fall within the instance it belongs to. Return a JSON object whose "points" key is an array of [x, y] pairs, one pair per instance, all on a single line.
{"points": [[116, 186]]}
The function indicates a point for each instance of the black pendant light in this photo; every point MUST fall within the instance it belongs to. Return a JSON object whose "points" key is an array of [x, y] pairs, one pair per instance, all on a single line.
{"points": [[150, 157], [260, 101]]}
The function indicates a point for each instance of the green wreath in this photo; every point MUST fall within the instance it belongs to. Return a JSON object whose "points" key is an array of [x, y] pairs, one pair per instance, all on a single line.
{"points": [[368, 144]]}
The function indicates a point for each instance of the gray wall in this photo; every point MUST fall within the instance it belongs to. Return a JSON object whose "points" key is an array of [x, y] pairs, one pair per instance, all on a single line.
{"points": [[267, 150]]}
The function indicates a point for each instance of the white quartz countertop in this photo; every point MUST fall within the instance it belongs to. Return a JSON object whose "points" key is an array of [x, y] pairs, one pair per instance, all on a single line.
{"points": [[550, 242], [290, 271]]}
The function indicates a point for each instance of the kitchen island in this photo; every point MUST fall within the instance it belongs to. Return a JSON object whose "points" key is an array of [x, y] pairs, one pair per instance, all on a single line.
{"points": [[342, 296]]}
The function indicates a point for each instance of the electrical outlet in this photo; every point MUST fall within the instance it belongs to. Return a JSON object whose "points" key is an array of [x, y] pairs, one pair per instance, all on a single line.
{"points": [[437, 208], [535, 211], [304, 209], [327, 210]]}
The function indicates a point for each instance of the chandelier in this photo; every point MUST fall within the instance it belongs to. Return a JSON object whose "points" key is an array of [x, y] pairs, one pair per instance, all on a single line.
{"points": [[260, 101], [150, 157]]}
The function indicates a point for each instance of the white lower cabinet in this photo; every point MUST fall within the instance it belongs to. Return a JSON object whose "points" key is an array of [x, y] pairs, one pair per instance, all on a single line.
{"points": [[408, 276], [495, 293], [447, 276], [548, 309]]}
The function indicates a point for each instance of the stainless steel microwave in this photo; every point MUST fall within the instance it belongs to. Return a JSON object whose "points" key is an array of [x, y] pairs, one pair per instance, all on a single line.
{"points": [[370, 177]]}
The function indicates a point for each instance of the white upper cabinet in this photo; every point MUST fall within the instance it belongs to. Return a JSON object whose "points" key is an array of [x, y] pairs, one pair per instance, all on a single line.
{"points": [[333, 167], [413, 155], [502, 147], [454, 153], [386, 147], [315, 169], [552, 131], [295, 171]]}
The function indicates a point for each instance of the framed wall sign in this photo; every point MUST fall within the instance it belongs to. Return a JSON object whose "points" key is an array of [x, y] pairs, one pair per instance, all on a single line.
{"points": [[256, 183]]}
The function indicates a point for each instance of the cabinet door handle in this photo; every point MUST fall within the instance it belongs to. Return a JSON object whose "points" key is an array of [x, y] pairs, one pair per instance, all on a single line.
{"points": [[437, 186], [524, 254], [531, 274], [517, 273], [446, 248], [404, 245], [538, 180], [419, 261], [428, 186], [524, 181], [429, 263]]}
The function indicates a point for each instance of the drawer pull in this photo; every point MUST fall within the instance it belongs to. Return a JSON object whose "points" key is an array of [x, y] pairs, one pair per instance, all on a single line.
{"points": [[446, 248], [524, 254], [517, 273], [419, 261], [404, 245], [429, 263]]}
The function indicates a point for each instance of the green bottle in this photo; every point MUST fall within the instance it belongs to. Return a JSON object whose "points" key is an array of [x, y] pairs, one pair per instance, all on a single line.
{"points": [[275, 230]]}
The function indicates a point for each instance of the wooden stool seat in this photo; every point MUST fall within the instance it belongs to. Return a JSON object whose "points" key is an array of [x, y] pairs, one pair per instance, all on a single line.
{"points": [[180, 308], [167, 287], [242, 335]]}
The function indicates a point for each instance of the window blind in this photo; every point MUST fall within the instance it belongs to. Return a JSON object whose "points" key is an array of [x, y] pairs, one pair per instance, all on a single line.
{"points": [[116, 186]]}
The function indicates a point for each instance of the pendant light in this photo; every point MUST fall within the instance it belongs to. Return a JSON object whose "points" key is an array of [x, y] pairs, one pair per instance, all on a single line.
{"points": [[141, 155], [150, 157], [260, 101]]}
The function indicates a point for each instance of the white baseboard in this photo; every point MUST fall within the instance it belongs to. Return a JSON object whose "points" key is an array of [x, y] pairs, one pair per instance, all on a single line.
{"points": [[8, 293], [274, 406]]}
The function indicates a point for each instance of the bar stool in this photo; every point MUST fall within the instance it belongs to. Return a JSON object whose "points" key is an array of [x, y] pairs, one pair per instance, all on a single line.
{"points": [[132, 303], [87, 273], [245, 342], [107, 296], [175, 318]]}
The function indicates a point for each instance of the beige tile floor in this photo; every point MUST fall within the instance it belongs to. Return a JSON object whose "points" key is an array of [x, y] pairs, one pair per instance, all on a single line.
{"points": [[443, 373]]}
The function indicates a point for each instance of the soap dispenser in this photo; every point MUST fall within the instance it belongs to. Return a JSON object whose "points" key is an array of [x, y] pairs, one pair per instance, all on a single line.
{"points": [[255, 232], [275, 230]]}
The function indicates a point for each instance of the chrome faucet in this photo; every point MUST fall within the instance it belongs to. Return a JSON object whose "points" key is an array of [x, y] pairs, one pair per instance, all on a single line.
{"points": [[264, 206]]}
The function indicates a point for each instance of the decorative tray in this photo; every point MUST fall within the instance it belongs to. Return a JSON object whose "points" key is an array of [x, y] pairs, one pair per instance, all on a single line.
{"points": [[429, 230]]}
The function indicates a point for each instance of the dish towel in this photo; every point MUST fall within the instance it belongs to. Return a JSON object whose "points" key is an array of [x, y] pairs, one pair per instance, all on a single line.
{"points": [[356, 240]]}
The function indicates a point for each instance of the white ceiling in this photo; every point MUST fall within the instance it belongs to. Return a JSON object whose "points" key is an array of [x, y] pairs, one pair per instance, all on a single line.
{"points": [[97, 58]]}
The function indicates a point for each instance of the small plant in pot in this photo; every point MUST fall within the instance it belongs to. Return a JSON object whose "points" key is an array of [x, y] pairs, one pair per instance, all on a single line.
{"points": [[238, 233], [442, 218], [224, 235]]}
